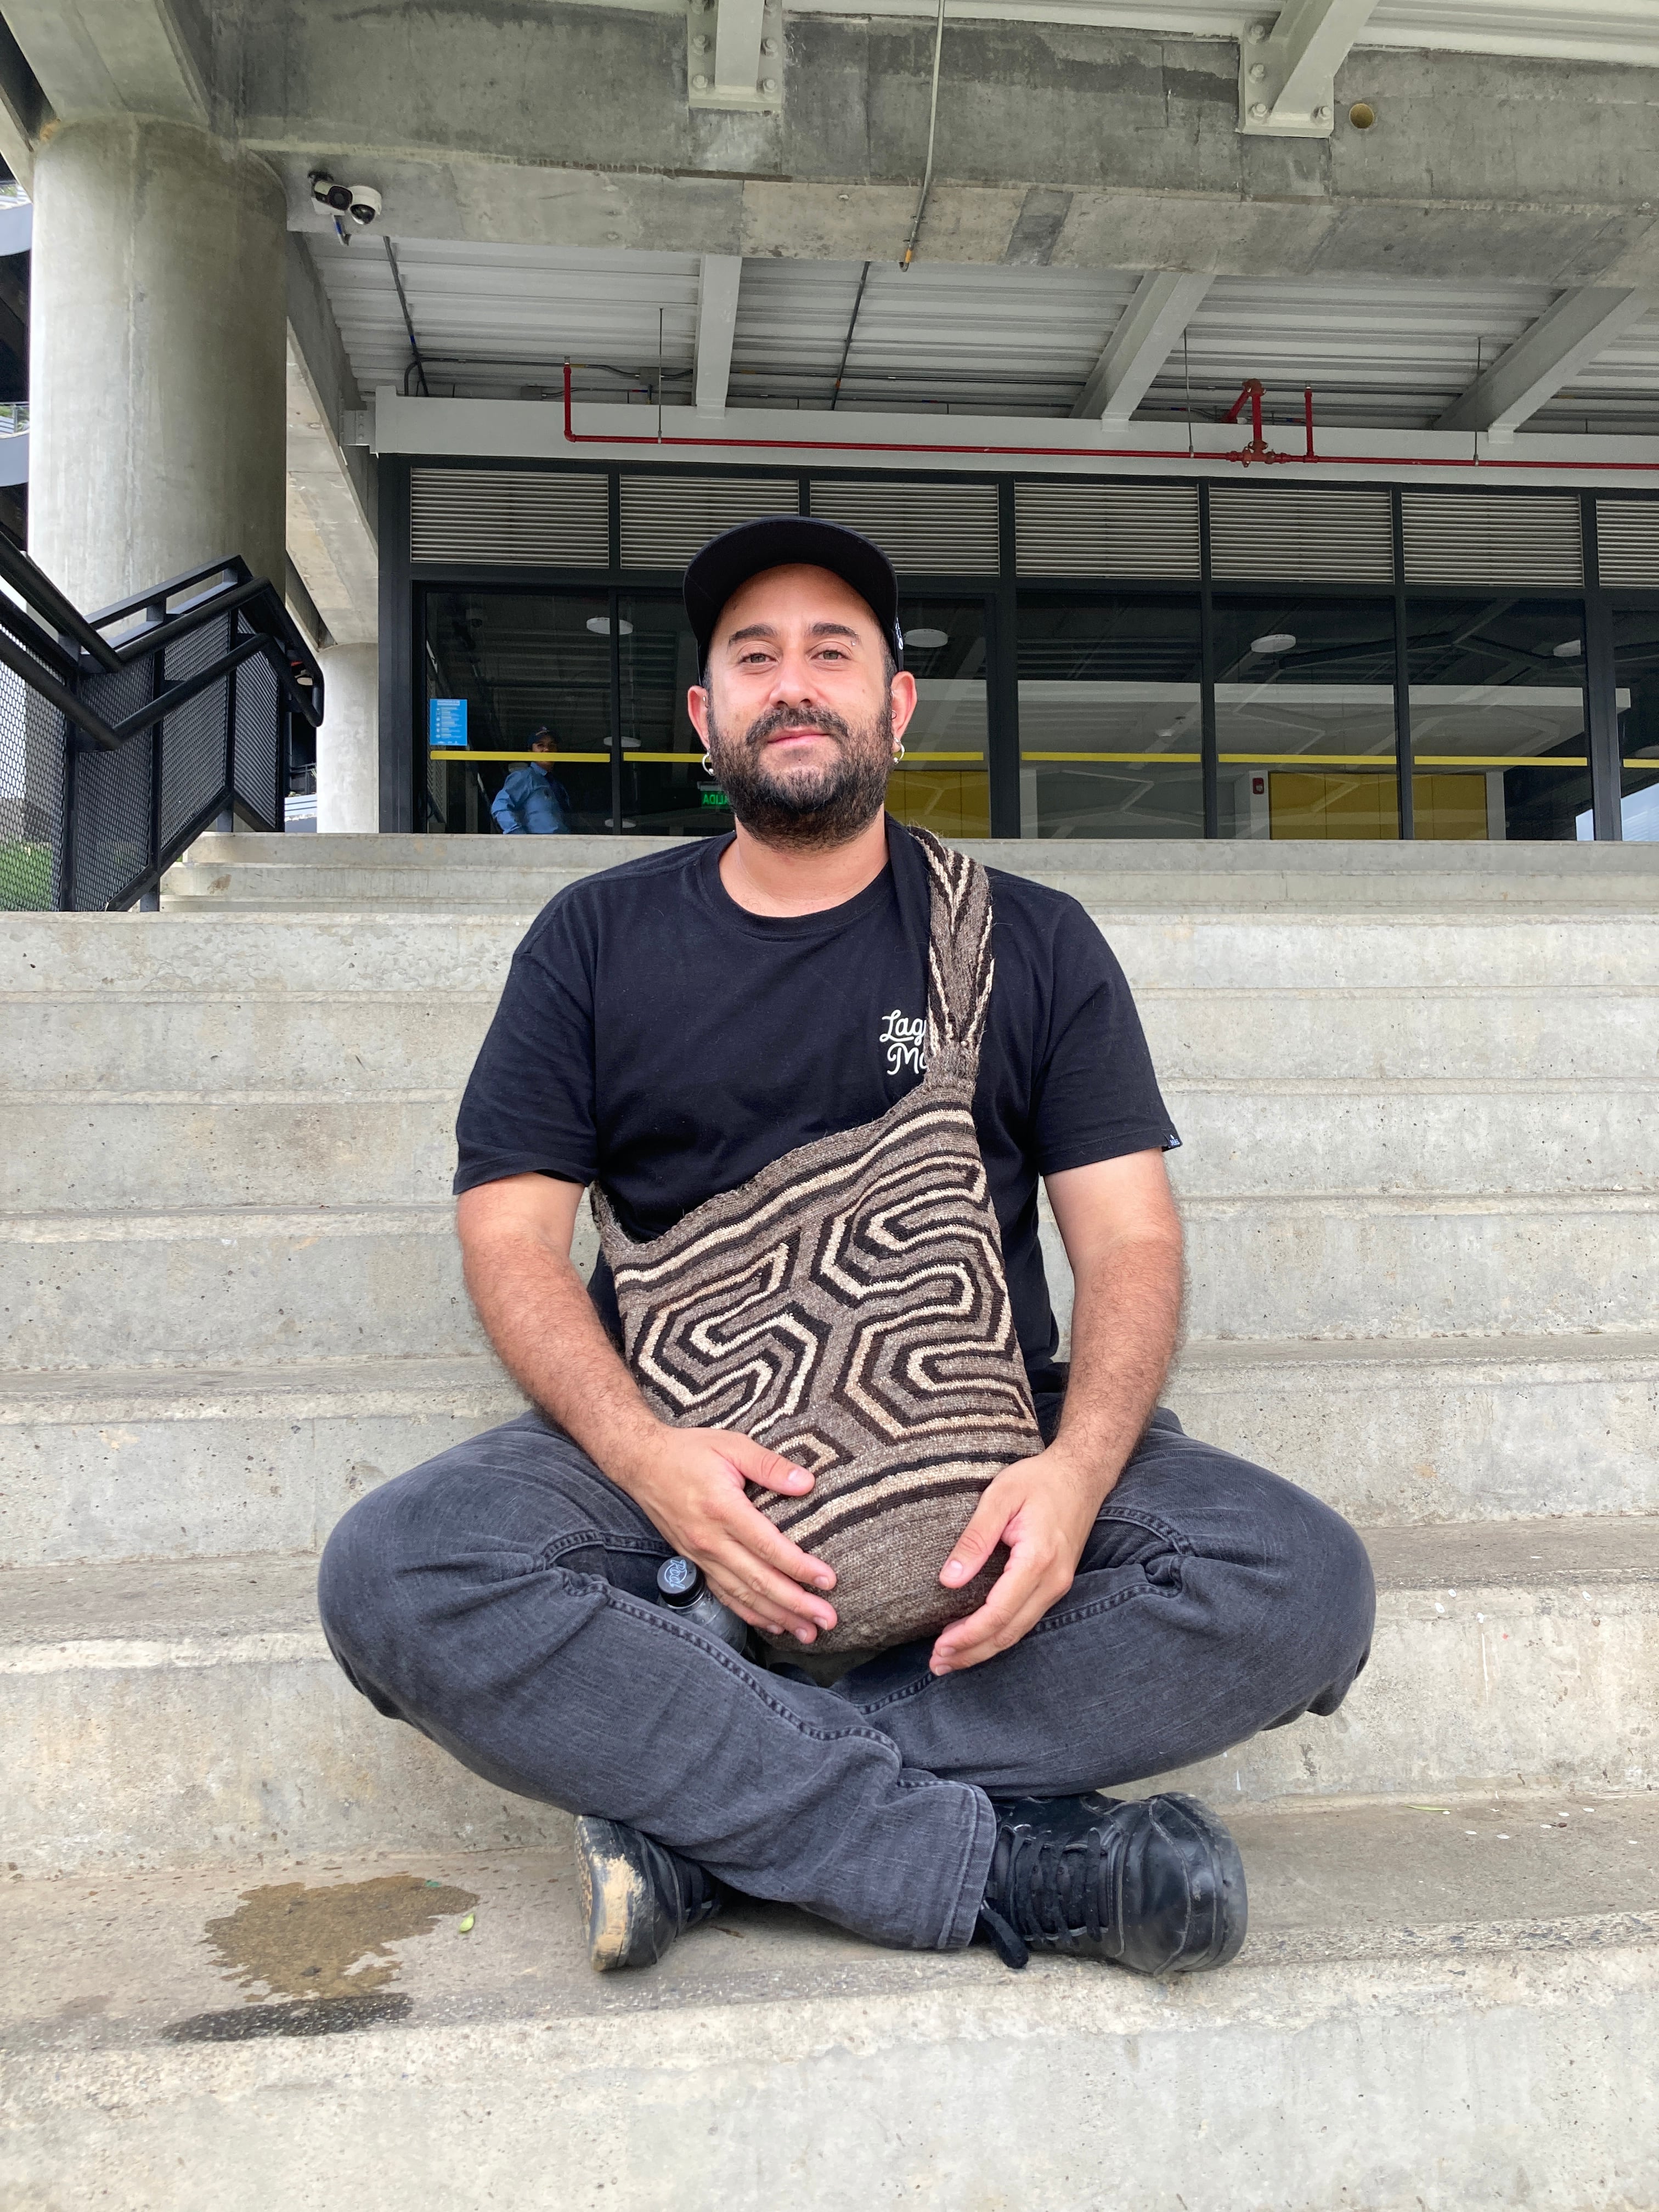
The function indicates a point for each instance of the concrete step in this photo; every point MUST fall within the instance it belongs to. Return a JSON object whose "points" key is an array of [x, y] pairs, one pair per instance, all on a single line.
{"points": [[120, 1149], [258, 1286], [177, 1463], [347, 1039], [1442, 2010], [188, 1712], [236, 958], [259, 871], [174, 1463]]}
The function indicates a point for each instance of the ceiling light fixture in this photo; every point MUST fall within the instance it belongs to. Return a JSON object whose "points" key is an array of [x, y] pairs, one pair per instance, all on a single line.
{"points": [[1276, 640]]}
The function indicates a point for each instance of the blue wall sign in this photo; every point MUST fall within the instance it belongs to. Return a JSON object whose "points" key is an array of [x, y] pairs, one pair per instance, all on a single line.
{"points": [[447, 722]]}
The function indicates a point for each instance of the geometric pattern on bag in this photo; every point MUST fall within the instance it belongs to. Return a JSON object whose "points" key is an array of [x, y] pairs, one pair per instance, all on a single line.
{"points": [[847, 1307]]}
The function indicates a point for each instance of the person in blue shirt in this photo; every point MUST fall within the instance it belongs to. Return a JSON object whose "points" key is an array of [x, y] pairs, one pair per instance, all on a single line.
{"points": [[532, 802]]}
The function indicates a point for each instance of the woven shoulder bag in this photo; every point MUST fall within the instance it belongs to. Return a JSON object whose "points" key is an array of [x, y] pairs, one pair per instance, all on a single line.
{"points": [[847, 1308]]}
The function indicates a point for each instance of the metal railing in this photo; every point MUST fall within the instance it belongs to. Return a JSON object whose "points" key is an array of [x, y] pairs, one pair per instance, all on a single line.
{"points": [[126, 733]]}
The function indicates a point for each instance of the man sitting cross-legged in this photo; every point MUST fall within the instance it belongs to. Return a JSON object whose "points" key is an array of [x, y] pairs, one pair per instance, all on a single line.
{"points": [[669, 1029]]}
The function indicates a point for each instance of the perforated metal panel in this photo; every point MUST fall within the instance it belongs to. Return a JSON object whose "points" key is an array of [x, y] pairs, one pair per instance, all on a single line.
{"points": [[1489, 538], [536, 518], [1334, 533], [1627, 542], [923, 528], [665, 519], [1071, 527]]}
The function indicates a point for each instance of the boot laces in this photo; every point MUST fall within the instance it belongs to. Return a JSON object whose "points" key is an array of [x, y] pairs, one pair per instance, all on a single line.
{"points": [[1050, 1894]]}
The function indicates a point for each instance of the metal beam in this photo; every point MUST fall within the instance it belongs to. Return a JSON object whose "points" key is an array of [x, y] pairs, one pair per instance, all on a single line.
{"points": [[734, 54], [1287, 70], [717, 324], [1581, 323], [1162, 305]]}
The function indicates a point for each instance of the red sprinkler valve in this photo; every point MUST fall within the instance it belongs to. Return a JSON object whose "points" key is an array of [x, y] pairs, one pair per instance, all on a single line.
{"points": [[1258, 449]]}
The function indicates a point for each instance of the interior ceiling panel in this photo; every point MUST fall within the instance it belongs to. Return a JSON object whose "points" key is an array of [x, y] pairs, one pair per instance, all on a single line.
{"points": [[940, 335], [497, 321], [1591, 30]]}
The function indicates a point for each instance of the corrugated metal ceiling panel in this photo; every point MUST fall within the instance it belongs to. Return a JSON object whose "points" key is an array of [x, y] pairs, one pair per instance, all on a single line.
{"points": [[945, 338], [983, 340], [494, 321], [1394, 353], [1596, 30]]}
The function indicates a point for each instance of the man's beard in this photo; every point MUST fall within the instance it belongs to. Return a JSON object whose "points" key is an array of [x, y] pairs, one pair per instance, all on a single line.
{"points": [[810, 810]]}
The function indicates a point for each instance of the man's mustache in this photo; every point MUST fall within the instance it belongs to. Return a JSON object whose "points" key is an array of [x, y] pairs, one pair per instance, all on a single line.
{"points": [[782, 718]]}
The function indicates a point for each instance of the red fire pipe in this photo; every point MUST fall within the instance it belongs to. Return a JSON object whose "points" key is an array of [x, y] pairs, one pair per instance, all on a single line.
{"points": [[1306, 417], [1078, 452]]}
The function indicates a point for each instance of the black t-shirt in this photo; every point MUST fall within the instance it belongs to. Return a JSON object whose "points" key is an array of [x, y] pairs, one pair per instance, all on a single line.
{"points": [[655, 1037]]}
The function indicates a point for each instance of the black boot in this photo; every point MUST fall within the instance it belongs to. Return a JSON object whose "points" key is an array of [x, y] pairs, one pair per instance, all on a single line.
{"points": [[1154, 1884], [638, 1895]]}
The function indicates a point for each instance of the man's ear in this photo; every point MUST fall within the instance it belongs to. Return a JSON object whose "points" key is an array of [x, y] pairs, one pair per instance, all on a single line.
{"points": [[902, 694], [696, 705]]}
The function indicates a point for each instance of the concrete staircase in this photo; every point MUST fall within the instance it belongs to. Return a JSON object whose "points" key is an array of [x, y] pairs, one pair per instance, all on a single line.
{"points": [[1418, 1087]]}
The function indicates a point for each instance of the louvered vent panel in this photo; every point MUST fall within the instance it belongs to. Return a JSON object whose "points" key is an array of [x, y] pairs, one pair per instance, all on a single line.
{"points": [[1488, 537], [1273, 531], [536, 518], [1068, 528], [665, 519], [923, 528], [1627, 542]]}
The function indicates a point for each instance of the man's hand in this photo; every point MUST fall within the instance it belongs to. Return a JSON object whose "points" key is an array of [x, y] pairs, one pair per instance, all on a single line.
{"points": [[690, 1482], [1043, 1509]]}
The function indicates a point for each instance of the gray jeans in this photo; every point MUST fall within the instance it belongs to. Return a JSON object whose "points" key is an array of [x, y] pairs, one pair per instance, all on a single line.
{"points": [[500, 1599]]}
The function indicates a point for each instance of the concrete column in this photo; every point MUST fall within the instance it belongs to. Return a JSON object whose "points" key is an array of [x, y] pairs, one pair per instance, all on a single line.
{"points": [[157, 323], [349, 741]]}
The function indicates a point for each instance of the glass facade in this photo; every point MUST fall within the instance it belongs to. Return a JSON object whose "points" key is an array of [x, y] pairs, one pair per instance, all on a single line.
{"points": [[1499, 747], [1304, 717], [1636, 674], [1073, 708], [945, 784], [512, 663], [1111, 715]]}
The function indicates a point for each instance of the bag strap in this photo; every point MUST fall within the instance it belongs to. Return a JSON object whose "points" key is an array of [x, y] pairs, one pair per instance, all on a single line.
{"points": [[960, 967]]}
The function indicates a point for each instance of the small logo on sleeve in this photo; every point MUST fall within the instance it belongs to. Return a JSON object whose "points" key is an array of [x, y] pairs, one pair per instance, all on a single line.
{"points": [[904, 1041]]}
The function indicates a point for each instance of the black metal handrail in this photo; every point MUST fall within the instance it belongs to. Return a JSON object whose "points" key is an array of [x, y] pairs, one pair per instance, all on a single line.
{"points": [[116, 751]]}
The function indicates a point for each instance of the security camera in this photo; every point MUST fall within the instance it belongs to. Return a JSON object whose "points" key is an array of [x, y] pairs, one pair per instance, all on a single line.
{"points": [[362, 204]]}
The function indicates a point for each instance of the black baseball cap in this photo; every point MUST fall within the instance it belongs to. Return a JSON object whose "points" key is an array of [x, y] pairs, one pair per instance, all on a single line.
{"points": [[786, 541]]}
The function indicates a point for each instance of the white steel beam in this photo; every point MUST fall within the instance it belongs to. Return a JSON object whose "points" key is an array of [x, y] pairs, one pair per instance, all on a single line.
{"points": [[1164, 304], [734, 54], [1287, 70], [1546, 355], [717, 323]]}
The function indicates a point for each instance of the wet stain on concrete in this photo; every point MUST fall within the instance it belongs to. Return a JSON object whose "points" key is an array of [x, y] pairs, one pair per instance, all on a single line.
{"points": [[330, 1942], [308, 2016]]}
